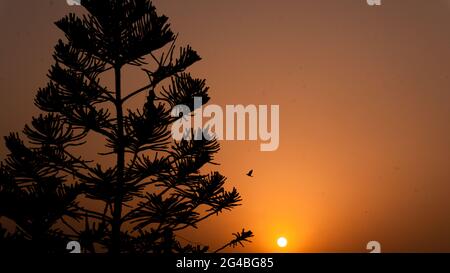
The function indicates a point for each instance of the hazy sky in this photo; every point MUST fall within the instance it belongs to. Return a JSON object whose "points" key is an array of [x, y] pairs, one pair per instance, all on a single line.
{"points": [[364, 95]]}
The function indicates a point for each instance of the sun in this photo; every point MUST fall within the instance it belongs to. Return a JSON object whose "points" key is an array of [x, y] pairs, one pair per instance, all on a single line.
{"points": [[282, 242]]}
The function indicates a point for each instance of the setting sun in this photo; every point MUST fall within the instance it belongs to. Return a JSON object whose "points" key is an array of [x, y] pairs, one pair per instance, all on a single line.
{"points": [[282, 242]]}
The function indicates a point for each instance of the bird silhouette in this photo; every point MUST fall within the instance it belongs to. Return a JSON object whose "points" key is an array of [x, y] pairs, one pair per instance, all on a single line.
{"points": [[250, 173]]}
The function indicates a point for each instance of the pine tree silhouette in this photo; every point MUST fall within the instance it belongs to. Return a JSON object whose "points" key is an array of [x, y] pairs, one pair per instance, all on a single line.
{"points": [[155, 188]]}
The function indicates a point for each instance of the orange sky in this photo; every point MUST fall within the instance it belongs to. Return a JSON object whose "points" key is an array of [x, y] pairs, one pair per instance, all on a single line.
{"points": [[364, 96]]}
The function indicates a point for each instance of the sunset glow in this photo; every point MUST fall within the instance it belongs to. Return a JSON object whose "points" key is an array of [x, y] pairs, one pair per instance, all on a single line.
{"points": [[282, 242], [363, 92]]}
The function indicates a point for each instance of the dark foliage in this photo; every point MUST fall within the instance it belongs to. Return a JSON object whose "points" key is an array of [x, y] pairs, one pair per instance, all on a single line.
{"points": [[155, 188]]}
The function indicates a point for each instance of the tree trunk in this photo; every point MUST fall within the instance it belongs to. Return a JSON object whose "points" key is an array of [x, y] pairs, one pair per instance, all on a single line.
{"points": [[117, 216]]}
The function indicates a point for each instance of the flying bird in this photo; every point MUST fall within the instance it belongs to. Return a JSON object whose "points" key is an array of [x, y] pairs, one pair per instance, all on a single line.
{"points": [[250, 173]]}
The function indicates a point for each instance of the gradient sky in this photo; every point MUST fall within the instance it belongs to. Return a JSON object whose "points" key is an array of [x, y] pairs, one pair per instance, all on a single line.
{"points": [[364, 95]]}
